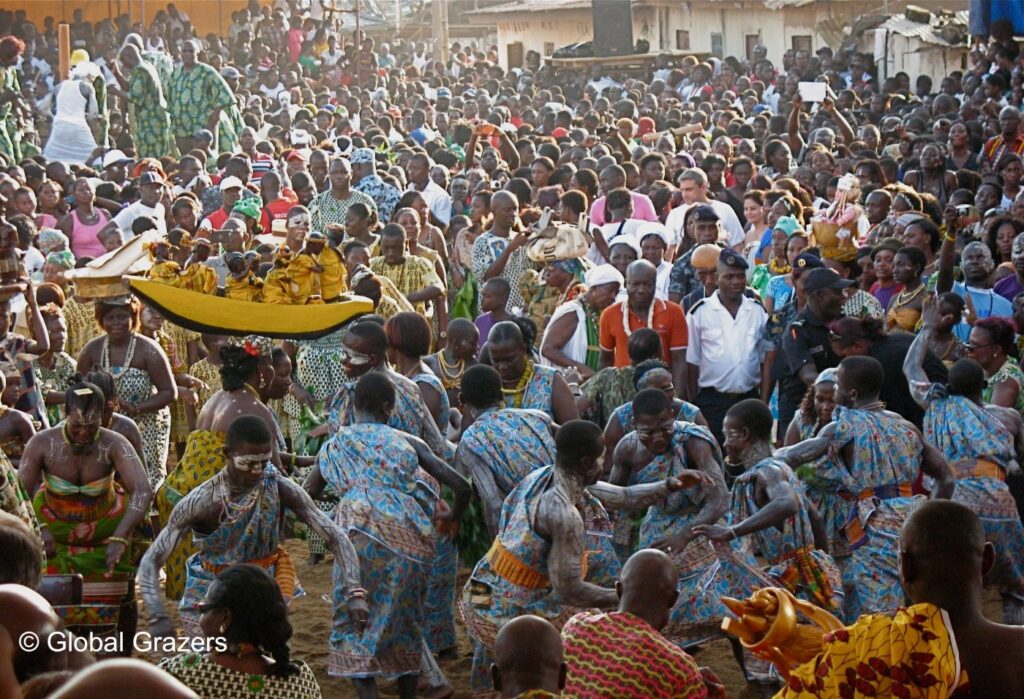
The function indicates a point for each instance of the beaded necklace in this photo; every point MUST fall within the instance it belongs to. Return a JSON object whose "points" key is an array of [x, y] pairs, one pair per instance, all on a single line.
{"points": [[451, 374], [118, 372], [520, 390]]}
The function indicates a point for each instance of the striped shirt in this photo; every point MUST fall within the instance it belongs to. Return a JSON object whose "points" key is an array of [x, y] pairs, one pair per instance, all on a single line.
{"points": [[620, 655]]}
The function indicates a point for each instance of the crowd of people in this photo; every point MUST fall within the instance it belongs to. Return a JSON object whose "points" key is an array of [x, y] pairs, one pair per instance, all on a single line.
{"points": [[634, 344]]}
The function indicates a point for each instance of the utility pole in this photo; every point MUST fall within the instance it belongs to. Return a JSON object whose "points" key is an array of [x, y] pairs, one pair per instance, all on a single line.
{"points": [[398, 17], [444, 29], [359, 37]]}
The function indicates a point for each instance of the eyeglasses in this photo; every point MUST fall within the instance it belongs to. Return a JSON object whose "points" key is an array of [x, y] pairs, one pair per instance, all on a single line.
{"points": [[971, 347], [203, 607]]}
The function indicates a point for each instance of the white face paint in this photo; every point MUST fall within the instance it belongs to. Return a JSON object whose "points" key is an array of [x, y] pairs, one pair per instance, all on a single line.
{"points": [[252, 463], [299, 220]]}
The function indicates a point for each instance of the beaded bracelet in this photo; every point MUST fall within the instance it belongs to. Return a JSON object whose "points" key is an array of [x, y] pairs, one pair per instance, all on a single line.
{"points": [[356, 592]]}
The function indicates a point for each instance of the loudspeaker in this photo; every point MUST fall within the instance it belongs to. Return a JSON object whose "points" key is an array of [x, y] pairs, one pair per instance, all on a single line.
{"points": [[613, 27]]}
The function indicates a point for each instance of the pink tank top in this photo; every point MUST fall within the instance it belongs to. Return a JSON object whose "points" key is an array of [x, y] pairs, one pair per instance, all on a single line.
{"points": [[84, 240]]}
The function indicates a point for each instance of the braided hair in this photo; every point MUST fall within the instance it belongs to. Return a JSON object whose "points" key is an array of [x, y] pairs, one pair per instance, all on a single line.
{"points": [[237, 365], [258, 613]]}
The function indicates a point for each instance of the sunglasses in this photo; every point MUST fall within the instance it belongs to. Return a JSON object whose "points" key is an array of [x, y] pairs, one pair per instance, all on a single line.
{"points": [[971, 347]]}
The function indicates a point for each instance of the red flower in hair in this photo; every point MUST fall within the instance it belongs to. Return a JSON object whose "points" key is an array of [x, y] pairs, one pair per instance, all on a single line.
{"points": [[251, 349]]}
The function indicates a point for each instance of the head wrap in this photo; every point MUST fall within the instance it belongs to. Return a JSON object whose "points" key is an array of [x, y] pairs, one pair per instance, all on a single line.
{"points": [[604, 274], [249, 206], [64, 259], [827, 376], [52, 240], [573, 267]]}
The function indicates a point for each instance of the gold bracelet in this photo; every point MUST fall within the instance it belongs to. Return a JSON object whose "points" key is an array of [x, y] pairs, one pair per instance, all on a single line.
{"points": [[118, 540]]}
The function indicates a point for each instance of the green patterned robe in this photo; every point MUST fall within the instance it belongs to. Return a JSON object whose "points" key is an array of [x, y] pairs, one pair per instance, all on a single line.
{"points": [[150, 123], [193, 95]]}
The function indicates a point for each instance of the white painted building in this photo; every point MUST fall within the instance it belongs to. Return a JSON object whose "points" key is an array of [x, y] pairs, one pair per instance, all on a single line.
{"points": [[721, 27]]}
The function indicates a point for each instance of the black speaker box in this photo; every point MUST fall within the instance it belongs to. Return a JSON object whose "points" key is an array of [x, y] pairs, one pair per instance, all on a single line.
{"points": [[613, 28]]}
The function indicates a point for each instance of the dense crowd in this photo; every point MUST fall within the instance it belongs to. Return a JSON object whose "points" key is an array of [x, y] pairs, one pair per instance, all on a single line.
{"points": [[632, 344]]}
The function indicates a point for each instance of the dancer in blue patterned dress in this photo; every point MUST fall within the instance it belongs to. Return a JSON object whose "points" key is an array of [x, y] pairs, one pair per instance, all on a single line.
{"points": [[409, 337], [235, 517], [660, 448], [770, 512], [525, 384], [981, 443], [553, 555], [386, 482], [650, 373], [499, 446], [881, 454]]}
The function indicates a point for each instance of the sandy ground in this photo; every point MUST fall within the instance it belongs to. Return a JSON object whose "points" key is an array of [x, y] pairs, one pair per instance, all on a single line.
{"points": [[311, 620]]}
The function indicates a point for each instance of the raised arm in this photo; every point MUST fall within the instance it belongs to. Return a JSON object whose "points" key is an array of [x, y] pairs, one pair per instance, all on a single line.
{"points": [[947, 253], [913, 365], [809, 449]]}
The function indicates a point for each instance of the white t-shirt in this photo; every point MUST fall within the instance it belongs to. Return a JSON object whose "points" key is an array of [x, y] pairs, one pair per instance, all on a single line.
{"points": [[732, 231], [127, 216]]}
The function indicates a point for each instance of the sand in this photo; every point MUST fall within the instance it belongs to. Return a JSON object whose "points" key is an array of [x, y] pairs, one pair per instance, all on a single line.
{"points": [[311, 621]]}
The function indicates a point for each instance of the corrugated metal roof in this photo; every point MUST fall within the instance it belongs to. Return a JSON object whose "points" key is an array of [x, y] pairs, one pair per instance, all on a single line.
{"points": [[532, 6], [928, 33]]}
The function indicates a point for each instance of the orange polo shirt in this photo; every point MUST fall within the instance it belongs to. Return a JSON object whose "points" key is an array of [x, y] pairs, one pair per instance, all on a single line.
{"points": [[668, 321]]}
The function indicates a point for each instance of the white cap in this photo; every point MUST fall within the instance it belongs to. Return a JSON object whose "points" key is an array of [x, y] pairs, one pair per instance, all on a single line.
{"points": [[231, 182], [114, 156]]}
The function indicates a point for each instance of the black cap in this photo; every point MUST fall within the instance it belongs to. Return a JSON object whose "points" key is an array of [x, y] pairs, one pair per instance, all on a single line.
{"points": [[823, 278], [807, 261], [731, 258], [704, 213]]}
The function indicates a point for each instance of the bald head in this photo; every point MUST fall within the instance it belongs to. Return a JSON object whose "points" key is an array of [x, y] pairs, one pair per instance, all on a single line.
{"points": [[528, 656], [124, 677], [641, 269], [943, 554], [25, 611], [647, 587]]}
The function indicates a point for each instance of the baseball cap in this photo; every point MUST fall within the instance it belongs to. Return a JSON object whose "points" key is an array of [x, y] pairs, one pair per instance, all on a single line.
{"points": [[150, 177], [230, 182], [824, 278], [230, 72], [704, 213], [444, 92], [114, 157], [559, 132]]}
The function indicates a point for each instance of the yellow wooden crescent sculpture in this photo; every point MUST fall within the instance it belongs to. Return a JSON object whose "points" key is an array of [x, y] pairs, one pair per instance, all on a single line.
{"points": [[768, 626], [223, 316]]}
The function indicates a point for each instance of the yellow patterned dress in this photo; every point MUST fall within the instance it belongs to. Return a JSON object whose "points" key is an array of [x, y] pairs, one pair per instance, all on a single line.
{"points": [[202, 459], [80, 317]]}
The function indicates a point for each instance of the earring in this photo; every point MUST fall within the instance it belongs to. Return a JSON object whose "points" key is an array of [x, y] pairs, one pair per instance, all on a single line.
{"points": [[223, 629]]}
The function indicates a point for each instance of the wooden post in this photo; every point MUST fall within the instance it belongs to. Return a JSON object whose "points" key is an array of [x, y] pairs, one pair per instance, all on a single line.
{"points": [[359, 37], [63, 50]]}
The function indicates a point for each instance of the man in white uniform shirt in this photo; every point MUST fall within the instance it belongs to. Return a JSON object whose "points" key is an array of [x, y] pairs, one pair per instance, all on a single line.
{"points": [[725, 350], [693, 185]]}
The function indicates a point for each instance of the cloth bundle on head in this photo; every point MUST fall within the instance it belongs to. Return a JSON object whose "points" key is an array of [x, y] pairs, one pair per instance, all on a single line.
{"points": [[64, 259], [360, 273], [52, 240], [603, 274]]}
